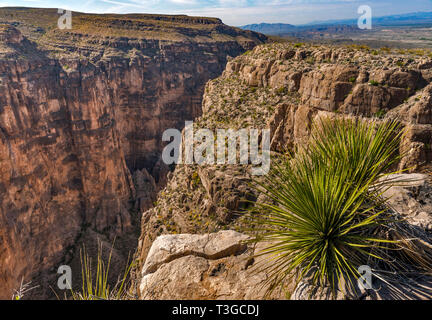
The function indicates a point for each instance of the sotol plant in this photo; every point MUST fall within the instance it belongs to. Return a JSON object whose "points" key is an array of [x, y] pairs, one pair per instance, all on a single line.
{"points": [[95, 284], [325, 215]]}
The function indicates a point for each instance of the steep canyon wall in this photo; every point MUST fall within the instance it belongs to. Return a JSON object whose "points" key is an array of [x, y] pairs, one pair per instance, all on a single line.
{"points": [[81, 120]]}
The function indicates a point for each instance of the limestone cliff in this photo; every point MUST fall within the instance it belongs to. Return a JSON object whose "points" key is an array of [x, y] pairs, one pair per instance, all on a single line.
{"points": [[82, 112]]}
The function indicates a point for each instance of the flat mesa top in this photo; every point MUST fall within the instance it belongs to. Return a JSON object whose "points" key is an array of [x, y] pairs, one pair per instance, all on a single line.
{"points": [[44, 22]]}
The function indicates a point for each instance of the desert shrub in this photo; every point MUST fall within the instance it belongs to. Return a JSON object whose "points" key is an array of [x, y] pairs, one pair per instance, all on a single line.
{"points": [[95, 285], [23, 290], [282, 91], [360, 47], [380, 113], [196, 180], [310, 60], [325, 216]]}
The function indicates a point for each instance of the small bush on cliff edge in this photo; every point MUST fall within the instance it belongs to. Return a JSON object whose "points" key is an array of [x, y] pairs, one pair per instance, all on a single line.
{"points": [[325, 215], [95, 284]]}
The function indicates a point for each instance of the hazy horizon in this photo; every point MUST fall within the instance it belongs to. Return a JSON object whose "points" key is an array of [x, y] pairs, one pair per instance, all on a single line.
{"points": [[237, 12]]}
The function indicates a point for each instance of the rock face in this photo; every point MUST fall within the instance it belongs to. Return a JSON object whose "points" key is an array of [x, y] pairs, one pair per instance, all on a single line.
{"points": [[342, 80], [412, 199], [82, 114], [196, 267], [285, 87]]}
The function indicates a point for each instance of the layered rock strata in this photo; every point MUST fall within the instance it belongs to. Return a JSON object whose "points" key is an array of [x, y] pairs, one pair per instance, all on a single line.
{"points": [[82, 113]]}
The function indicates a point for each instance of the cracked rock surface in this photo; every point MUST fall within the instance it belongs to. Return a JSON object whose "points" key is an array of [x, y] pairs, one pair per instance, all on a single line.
{"points": [[211, 266]]}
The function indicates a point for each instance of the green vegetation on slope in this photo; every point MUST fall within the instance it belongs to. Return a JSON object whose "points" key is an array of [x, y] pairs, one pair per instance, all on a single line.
{"points": [[325, 216]]}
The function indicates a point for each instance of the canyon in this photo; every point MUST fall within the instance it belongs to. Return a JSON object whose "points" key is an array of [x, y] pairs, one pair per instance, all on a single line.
{"points": [[82, 113]]}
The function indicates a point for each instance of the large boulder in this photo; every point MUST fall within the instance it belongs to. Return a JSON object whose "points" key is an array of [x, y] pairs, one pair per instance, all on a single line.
{"points": [[200, 267]]}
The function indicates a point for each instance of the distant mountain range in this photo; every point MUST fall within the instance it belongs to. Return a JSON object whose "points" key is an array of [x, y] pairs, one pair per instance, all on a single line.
{"points": [[270, 28], [392, 20]]}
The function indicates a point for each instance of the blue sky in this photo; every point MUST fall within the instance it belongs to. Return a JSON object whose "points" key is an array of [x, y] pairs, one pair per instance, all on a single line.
{"points": [[238, 12]]}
